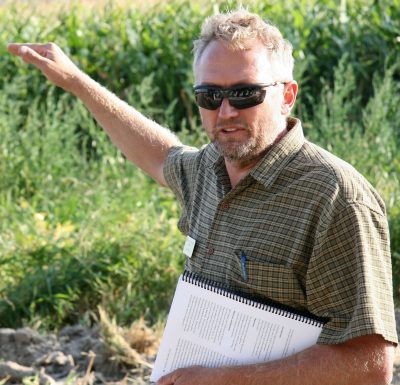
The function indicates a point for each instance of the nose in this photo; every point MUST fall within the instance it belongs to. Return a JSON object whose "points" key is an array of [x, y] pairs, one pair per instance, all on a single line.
{"points": [[226, 111]]}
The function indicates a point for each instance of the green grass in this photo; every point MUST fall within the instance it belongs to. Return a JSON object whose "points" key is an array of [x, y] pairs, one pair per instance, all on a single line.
{"points": [[79, 226], [117, 246]]}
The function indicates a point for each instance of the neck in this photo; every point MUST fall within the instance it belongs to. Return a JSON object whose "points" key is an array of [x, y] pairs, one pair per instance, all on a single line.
{"points": [[238, 169]]}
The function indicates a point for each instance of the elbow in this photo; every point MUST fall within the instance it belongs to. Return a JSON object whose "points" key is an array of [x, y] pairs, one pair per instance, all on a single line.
{"points": [[383, 373], [376, 361], [386, 376]]}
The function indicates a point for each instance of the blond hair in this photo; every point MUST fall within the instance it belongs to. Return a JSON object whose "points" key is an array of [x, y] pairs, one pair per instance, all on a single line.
{"points": [[236, 29]]}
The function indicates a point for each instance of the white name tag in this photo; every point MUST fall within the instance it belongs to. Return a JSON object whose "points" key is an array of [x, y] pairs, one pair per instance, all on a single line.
{"points": [[189, 246]]}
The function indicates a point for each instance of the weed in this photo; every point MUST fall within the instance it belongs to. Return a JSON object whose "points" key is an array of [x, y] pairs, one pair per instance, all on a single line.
{"points": [[79, 226]]}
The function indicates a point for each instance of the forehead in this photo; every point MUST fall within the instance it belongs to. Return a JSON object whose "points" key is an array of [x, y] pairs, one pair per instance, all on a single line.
{"points": [[223, 66]]}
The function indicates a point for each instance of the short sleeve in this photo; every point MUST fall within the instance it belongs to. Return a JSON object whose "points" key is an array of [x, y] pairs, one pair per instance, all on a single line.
{"points": [[180, 172], [349, 277]]}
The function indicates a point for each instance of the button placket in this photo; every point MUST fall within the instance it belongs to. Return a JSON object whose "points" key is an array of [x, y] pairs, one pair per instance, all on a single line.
{"points": [[223, 206]]}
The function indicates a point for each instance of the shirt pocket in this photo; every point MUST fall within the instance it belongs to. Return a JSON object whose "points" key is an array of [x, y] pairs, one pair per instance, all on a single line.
{"points": [[269, 281]]}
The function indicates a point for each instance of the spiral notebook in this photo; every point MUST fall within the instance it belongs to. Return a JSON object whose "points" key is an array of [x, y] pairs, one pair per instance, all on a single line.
{"points": [[210, 326]]}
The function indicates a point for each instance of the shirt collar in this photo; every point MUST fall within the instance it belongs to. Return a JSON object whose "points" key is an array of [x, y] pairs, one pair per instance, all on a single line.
{"points": [[275, 159]]}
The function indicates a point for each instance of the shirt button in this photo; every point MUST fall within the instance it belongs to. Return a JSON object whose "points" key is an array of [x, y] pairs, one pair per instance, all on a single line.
{"points": [[210, 251], [225, 206]]}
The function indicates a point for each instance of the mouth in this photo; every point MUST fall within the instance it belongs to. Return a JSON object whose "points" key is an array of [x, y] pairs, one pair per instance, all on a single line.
{"points": [[230, 130]]}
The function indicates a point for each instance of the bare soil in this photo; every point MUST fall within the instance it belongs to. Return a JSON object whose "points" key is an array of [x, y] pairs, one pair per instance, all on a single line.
{"points": [[77, 355], [82, 356]]}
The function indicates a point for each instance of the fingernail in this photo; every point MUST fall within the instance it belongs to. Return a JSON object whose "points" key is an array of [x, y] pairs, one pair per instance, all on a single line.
{"points": [[23, 50]]}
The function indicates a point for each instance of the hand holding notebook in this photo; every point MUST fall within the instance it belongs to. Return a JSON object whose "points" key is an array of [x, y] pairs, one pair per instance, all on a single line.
{"points": [[212, 327]]}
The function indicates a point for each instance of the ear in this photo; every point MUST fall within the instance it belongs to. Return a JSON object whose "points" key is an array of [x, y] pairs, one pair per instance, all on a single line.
{"points": [[289, 97]]}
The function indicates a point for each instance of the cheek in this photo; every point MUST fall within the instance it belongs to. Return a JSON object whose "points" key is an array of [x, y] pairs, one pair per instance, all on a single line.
{"points": [[268, 112], [208, 119], [254, 116]]}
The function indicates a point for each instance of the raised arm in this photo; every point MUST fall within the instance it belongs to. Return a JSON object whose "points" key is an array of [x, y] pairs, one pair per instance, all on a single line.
{"points": [[143, 141]]}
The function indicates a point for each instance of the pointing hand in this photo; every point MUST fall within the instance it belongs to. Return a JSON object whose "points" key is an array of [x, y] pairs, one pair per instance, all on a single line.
{"points": [[51, 60]]}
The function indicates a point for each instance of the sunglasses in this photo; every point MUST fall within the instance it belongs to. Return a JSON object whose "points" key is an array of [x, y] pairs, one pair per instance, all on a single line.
{"points": [[240, 97]]}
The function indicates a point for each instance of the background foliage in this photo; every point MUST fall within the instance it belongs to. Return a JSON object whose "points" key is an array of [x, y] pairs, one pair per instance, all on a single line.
{"points": [[79, 226]]}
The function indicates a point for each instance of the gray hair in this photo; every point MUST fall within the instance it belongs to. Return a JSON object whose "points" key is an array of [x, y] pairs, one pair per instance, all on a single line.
{"points": [[236, 29]]}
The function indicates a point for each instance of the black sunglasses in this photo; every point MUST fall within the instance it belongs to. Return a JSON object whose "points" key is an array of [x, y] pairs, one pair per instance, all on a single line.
{"points": [[240, 97]]}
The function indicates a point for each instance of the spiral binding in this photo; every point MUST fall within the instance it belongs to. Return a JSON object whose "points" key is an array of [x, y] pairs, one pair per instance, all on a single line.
{"points": [[218, 288]]}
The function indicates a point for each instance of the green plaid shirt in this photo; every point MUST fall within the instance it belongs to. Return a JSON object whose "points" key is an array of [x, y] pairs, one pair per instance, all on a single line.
{"points": [[313, 230]]}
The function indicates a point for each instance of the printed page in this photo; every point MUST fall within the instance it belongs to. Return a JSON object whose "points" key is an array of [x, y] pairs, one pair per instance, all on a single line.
{"points": [[209, 329]]}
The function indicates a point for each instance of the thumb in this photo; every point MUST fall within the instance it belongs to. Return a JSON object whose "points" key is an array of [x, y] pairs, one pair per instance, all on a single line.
{"points": [[30, 56]]}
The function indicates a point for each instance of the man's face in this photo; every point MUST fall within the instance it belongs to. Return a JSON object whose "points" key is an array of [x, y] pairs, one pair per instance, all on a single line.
{"points": [[240, 135]]}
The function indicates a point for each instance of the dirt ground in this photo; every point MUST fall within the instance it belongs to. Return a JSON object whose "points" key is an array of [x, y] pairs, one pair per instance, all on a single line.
{"points": [[82, 356], [77, 356]]}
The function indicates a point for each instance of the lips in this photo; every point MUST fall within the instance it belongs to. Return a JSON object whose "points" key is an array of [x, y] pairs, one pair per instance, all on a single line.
{"points": [[230, 129]]}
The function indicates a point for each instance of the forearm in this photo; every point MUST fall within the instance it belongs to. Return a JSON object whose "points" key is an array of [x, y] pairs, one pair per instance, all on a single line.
{"points": [[320, 365], [363, 361], [143, 141]]}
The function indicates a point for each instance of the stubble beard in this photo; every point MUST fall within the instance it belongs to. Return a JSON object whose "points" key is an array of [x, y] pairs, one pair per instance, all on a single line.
{"points": [[237, 152], [254, 147]]}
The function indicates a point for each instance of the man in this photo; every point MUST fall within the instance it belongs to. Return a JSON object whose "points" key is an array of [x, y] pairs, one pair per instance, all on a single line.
{"points": [[313, 231]]}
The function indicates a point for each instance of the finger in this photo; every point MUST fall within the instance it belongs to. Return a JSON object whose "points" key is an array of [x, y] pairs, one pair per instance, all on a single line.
{"points": [[30, 56], [13, 48], [41, 49], [166, 380]]}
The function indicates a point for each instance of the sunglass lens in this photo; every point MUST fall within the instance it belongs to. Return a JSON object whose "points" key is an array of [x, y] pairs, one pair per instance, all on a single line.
{"points": [[246, 97], [239, 97], [208, 100]]}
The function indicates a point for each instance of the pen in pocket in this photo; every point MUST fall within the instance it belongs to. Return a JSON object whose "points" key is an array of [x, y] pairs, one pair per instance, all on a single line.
{"points": [[243, 262]]}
